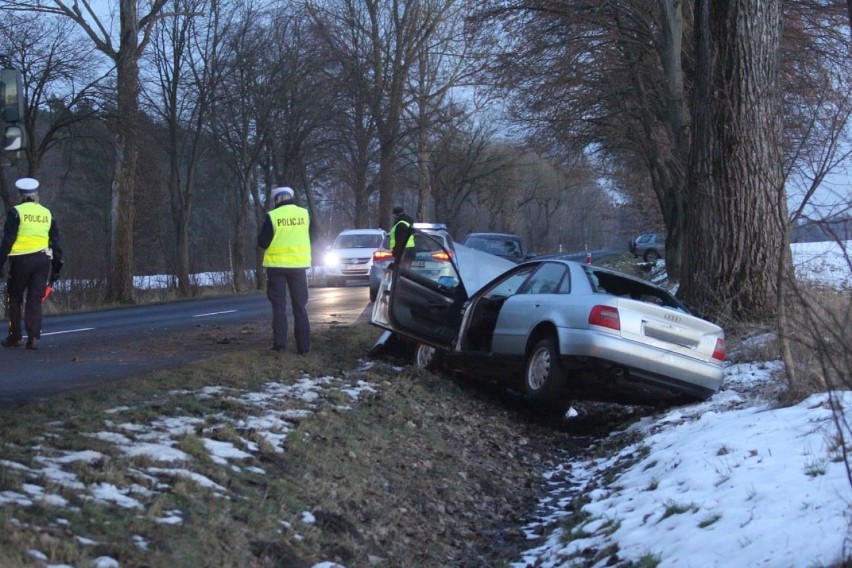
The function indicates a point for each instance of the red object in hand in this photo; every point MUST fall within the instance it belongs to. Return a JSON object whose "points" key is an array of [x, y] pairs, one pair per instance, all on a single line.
{"points": [[47, 292]]}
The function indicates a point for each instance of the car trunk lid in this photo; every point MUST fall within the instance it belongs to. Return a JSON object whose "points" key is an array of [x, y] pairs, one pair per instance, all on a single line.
{"points": [[668, 328]]}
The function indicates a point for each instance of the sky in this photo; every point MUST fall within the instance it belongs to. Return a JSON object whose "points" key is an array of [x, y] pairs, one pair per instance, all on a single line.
{"points": [[733, 481]]}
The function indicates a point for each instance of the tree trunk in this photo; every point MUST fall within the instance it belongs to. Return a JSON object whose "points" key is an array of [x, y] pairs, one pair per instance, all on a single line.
{"points": [[126, 155], [736, 219]]}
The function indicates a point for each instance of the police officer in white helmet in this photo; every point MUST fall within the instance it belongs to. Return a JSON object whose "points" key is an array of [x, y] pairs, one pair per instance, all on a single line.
{"points": [[286, 235], [32, 245]]}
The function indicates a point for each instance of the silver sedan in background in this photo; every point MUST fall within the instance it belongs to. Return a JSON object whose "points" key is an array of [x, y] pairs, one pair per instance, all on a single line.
{"points": [[553, 328]]}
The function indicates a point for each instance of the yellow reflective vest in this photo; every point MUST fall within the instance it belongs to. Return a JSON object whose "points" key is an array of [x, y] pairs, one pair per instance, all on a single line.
{"points": [[291, 243], [409, 244], [34, 229]]}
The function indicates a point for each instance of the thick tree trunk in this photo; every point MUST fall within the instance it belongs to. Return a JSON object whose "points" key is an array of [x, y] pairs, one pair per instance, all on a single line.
{"points": [[736, 219]]}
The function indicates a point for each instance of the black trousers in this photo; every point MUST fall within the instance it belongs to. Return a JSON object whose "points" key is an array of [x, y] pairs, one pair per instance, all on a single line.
{"points": [[28, 273], [279, 282]]}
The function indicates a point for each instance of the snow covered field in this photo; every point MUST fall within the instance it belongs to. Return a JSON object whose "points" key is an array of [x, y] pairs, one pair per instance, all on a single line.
{"points": [[731, 482]]}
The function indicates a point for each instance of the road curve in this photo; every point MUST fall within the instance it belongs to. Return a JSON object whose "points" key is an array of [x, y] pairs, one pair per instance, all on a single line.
{"points": [[88, 349]]}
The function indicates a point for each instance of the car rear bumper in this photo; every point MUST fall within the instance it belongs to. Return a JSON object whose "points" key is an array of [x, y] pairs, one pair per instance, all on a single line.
{"points": [[634, 361]]}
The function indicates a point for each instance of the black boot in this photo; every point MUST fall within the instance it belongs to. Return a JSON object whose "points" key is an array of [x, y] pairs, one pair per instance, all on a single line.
{"points": [[10, 342]]}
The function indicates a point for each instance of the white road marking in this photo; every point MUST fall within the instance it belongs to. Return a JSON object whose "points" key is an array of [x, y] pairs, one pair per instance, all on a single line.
{"points": [[68, 331], [214, 314]]}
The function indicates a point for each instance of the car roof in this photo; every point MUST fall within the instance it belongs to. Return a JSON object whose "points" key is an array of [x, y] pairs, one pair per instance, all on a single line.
{"points": [[495, 235], [362, 232], [636, 279]]}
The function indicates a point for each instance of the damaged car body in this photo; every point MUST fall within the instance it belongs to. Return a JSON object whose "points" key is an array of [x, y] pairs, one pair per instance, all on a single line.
{"points": [[550, 328]]}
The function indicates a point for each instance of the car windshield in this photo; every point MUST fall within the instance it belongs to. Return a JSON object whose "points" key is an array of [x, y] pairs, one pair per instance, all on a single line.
{"points": [[498, 246], [358, 241]]}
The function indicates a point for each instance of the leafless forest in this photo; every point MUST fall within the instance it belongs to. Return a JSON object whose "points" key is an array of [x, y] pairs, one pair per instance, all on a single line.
{"points": [[158, 127]]}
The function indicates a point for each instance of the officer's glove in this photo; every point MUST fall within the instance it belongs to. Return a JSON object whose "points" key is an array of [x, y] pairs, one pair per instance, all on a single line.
{"points": [[55, 270]]}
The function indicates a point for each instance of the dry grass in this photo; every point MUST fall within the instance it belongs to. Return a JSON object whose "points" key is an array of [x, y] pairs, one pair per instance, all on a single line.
{"points": [[427, 471], [821, 341]]}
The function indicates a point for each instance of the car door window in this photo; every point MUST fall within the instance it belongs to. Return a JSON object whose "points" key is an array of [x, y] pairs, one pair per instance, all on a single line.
{"points": [[545, 280], [510, 285]]}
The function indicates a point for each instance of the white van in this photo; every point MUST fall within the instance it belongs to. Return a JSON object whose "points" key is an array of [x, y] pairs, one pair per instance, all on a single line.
{"points": [[351, 255]]}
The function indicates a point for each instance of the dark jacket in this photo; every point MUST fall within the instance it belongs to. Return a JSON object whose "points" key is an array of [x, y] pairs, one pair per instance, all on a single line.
{"points": [[401, 231]]}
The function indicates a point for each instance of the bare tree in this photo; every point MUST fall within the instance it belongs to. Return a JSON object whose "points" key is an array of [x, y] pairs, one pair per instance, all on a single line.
{"points": [[57, 76], [125, 52], [391, 35], [612, 76], [241, 119], [186, 58], [303, 102]]}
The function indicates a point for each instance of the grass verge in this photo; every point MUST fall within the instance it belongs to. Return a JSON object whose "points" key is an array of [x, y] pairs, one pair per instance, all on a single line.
{"points": [[261, 459]]}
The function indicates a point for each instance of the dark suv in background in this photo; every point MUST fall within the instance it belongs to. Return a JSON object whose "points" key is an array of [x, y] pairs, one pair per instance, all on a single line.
{"points": [[501, 244]]}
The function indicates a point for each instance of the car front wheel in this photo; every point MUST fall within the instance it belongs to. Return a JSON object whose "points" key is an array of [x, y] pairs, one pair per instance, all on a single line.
{"points": [[426, 357], [652, 256], [544, 377]]}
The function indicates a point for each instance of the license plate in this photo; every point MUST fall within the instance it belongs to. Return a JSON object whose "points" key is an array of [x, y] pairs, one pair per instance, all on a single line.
{"points": [[418, 264]]}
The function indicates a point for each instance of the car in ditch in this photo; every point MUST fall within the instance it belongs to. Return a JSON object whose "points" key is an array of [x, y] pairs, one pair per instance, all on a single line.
{"points": [[551, 328]]}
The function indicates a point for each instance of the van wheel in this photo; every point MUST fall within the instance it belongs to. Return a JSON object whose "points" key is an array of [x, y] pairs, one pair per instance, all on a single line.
{"points": [[426, 357], [544, 377]]}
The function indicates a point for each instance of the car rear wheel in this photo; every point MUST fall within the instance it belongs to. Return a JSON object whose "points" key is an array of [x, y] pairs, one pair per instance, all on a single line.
{"points": [[426, 357], [651, 256], [544, 377], [373, 293]]}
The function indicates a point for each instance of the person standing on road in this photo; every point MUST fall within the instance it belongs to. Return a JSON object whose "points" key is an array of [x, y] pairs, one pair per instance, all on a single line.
{"points": [[286, 235], [31, 243], [401, 236]]}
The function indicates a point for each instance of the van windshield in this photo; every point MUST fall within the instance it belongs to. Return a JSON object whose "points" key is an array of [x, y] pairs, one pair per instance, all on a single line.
{"points": [[358, 241]]}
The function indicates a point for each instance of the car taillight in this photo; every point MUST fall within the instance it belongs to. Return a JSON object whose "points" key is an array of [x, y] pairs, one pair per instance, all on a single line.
{"points": [[605, 316], [380, 255], [719, 351], [441, 255]]}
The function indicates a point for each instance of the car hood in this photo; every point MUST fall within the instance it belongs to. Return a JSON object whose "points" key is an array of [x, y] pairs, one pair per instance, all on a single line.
{"points": [[353, 252], [478, 268]]}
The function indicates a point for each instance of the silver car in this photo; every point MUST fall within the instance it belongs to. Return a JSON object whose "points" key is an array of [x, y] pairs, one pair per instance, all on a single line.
{"points": [[650, 247], [553, 327]]}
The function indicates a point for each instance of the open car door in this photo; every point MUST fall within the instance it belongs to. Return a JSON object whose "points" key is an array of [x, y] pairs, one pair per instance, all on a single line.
{"points": [[427, 294]]}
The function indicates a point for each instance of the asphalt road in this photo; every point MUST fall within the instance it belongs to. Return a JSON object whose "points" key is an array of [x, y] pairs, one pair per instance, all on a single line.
{"points": [[88, 349]]}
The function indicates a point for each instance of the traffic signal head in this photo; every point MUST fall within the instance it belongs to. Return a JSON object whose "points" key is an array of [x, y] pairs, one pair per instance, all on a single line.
{"points": [[11, 95]]}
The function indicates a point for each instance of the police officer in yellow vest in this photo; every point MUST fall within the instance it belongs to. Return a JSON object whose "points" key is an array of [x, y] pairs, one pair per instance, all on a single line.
{"points": [[31, 243], [286, 235], [400, 235]]}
